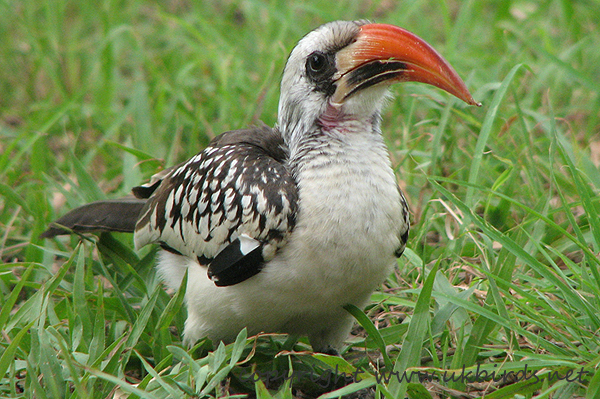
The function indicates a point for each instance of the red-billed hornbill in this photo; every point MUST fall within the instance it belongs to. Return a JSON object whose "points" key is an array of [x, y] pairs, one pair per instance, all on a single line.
{"points": [[279, 228]]}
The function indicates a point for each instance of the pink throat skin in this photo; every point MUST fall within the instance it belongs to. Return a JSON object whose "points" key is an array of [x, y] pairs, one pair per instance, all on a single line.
{"points": [[332, 118]]}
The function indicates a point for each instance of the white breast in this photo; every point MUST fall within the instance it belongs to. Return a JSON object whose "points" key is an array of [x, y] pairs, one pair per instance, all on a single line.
{"points": [[341, 249], [349, 219]]}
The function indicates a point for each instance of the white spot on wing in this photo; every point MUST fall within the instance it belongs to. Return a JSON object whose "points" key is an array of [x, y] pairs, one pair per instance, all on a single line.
{"points": [[246, 201], [168, 205], [247, 244], [229, 196], [203, 228]]}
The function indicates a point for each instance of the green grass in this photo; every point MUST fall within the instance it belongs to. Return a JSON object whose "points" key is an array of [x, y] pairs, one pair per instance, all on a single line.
{"points": [[502, 269]]}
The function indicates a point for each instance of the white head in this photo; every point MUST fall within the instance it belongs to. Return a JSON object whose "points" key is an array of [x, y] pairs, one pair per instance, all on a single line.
{"points": [[343, 69]]}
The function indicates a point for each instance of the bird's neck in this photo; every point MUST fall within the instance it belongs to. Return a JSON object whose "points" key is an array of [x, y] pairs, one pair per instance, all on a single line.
{"points": [[336, 139], [344, 177]]}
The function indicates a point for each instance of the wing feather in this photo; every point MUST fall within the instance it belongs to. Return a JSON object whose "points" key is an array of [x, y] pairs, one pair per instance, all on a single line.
{"points": [[239, 185]]}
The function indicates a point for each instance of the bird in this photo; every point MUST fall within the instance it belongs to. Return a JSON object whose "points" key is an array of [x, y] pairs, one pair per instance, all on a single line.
{"points": [[279, 228]]}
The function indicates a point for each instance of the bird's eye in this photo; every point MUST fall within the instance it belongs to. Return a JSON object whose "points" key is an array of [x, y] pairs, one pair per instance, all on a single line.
{"points": [[320, 68], [316, 62]]}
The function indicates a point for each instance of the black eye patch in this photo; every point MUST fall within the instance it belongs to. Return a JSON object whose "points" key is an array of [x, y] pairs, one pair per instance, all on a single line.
{"points": [[320, 68]]}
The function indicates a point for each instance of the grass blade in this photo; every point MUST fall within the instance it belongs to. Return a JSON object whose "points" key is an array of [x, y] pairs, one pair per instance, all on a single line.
{"points": [[368, 325], [486, 131], [413, 342]]}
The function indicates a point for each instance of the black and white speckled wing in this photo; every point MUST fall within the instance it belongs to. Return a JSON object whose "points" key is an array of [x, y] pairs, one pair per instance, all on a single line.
{"points": [[404, 226], [231, 206]]}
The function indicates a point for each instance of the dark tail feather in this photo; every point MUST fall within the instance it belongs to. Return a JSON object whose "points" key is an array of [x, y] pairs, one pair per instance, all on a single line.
{"points": [[111, 215]]}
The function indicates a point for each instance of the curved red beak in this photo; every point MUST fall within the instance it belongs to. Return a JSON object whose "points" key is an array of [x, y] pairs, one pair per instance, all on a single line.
{"points": [[386, 54]]}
